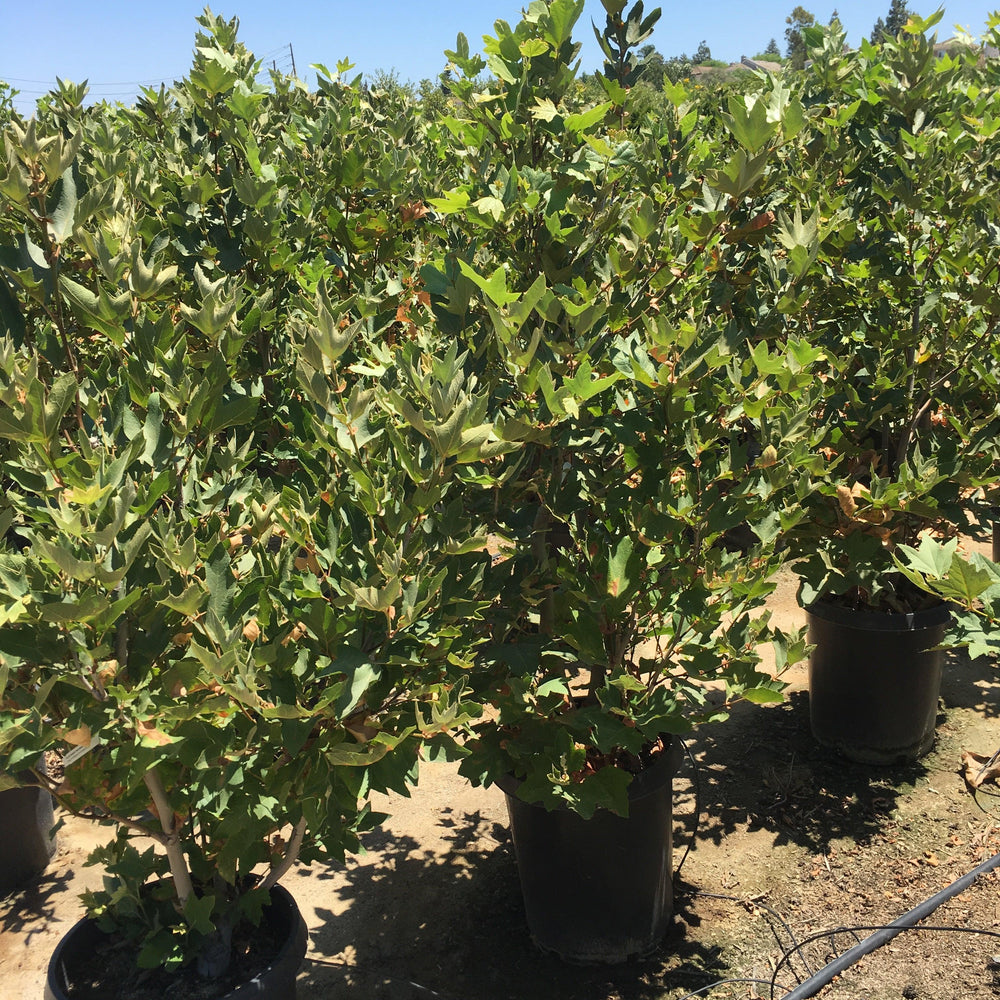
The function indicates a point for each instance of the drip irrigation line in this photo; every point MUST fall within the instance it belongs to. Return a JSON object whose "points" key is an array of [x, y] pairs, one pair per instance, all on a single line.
{"points": [[365, 970], [696, 783], [939, 928], [725, 982], [883, 935], [796, 944]]}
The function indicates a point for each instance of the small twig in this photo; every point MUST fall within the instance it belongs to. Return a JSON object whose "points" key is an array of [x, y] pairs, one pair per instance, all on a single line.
{"points": [[49, 785]]}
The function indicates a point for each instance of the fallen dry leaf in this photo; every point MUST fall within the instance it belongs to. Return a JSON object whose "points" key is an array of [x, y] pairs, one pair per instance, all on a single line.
{"points": [[974, 770]]}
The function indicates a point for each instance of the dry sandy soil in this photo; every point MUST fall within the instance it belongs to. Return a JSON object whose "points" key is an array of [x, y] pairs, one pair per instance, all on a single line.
{"points": [[788, 840]]}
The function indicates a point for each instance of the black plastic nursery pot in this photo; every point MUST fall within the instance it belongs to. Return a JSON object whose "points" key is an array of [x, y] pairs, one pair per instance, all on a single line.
{"points": [[26, 839], [598, 890], [276, 982], [874, 681]]}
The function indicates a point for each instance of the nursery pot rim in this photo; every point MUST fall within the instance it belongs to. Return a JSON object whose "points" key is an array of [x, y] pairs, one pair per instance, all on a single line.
{"points": [[871, 620], [644, 783], [294, 947]]}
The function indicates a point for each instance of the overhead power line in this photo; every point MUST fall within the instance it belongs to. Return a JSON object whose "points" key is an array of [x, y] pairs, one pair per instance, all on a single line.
{"points": [[120, 83], [281, 58]]}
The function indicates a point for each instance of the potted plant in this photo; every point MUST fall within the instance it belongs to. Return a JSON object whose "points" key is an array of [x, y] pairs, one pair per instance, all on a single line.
{"points": [[239, 584], [597, 286], [27, 837], [895, 272]]}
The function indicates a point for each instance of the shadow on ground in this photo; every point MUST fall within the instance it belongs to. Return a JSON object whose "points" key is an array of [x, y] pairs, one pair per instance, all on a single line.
{"points": [[28, 911], [763, 770], [422, 925], [973, 684], [446, 921]]}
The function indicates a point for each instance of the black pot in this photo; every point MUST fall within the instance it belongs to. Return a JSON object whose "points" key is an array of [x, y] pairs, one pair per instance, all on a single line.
{"points": [[874, 681], [276, 982], [598, 889], [26, 839]]}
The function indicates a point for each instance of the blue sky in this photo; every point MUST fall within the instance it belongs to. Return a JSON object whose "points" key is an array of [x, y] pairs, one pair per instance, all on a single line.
{"points": [[116, 45]]}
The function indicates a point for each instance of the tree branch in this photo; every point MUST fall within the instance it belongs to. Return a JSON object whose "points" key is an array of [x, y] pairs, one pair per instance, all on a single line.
{"points": [[49, 785], [278, 871], [171, 842]]}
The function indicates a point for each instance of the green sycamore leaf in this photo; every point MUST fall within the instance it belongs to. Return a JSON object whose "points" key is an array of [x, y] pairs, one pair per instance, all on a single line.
{"points": [[749, 126], [217, 73], [64, 215], [532, 47], [102, 312], [587, 119], [607, 788], [188, 602], [76, 569], [555, 685], [562, 16], [933, 558], [965, 582], [495, 286], [544, 110], [490, 206], [619, 581], [198, 912], [65, 612], [763, 696], [451, 202]]}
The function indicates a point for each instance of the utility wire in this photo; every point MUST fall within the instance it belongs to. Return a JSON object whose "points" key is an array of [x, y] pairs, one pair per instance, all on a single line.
{"points": [[120, 83]]}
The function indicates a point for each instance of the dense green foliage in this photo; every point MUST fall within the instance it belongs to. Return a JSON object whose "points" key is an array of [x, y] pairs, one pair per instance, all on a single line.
{"points": [[346, 425]]}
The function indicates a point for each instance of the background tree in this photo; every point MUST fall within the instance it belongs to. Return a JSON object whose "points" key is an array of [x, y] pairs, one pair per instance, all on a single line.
{"points": [[653, 65], [899, 14], [772, 49], [677, 67], [795, 43], [703, 53], [895, 20]]}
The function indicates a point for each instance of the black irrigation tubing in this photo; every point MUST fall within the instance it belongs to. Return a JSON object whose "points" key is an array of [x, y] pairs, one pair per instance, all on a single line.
{"points": [[696, 784], [886, 933], [796, 944], [725, 982], [367, 971], [939, 928]]}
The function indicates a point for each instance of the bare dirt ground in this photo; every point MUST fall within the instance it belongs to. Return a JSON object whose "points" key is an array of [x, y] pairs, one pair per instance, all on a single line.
{"points": [[789, 840]]}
